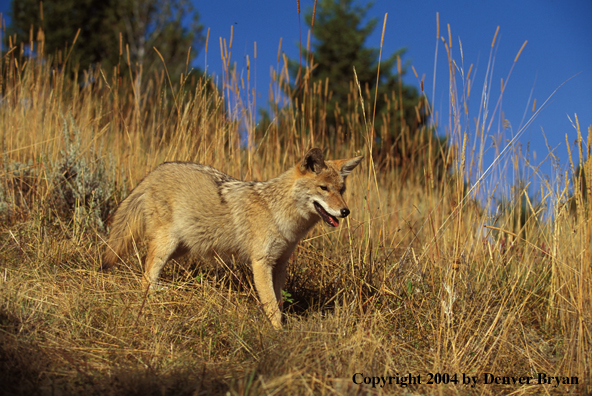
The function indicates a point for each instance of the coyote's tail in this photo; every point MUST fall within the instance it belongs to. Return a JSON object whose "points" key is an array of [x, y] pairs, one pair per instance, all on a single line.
{"points": [[128, 224]]}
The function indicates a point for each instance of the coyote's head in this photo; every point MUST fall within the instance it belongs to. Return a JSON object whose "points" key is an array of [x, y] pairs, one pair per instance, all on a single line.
{"points": [[322, 183]]}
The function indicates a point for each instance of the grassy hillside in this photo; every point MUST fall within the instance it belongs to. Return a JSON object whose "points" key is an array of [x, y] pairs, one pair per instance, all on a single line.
{"points": [[429, 274]]}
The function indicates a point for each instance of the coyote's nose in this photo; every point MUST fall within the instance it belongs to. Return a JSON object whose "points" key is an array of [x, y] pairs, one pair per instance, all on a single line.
{"points": [[344, 212]]}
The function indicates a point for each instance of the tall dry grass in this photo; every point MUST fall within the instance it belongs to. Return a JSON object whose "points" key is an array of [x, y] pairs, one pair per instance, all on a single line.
{"points": [[427, 275]]}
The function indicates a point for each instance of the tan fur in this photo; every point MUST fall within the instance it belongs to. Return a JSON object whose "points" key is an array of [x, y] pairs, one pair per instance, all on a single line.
{"points": [[183, 207]]}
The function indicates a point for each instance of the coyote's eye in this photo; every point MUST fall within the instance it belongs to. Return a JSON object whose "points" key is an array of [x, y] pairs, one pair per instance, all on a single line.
{"points": [[324, 188]]}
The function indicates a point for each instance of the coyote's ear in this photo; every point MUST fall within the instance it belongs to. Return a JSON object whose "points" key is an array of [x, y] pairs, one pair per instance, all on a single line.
{"points": [[313, 161], [347, 165]]}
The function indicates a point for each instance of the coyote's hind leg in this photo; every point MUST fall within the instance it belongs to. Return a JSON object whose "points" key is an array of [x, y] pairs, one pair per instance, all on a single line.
{"points": [[160, 249]]}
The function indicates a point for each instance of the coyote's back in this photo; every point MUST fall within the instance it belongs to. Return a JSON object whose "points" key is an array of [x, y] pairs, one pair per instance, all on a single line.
{"points": [[183, 207]]}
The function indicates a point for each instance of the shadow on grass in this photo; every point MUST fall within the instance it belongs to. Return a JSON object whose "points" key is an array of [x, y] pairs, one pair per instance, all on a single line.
{"points": [[30, 369]]}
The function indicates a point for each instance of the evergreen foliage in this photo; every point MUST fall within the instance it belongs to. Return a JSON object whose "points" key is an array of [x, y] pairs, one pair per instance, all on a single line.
{"points": [[339, 45], [109, 30]]}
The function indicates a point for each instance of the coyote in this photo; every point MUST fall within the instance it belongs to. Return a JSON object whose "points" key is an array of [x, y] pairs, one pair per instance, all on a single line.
{"points": [[183, 207]]}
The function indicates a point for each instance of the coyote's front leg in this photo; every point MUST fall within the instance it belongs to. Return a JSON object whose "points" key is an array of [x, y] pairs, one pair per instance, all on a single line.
{"points": [[263, 275]]}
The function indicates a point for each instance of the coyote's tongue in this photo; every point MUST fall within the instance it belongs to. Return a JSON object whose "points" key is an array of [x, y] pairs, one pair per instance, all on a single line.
{"points": [[327, 218]]}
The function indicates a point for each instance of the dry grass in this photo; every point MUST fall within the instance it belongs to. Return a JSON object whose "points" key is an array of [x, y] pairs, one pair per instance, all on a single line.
{"points": [[412, 283]]}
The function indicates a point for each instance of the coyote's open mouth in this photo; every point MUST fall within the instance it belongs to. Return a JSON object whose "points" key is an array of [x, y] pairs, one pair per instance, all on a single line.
{"points": [[327, 218]]}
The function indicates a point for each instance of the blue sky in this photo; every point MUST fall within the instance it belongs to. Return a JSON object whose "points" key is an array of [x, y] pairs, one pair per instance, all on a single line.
{"points": [[559, 35]]}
